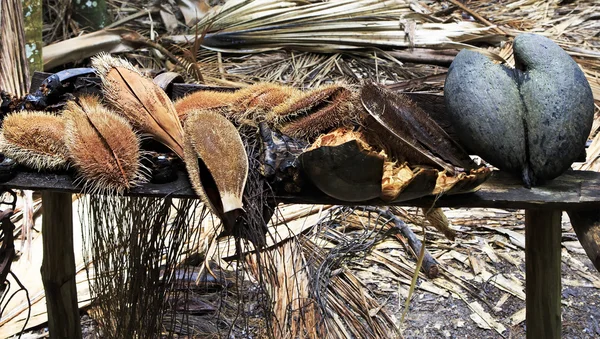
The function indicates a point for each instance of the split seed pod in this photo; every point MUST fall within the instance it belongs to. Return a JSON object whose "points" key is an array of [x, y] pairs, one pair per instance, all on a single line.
{"points": [[140, 101], [35, 139], [103, 147], [216, 161]]}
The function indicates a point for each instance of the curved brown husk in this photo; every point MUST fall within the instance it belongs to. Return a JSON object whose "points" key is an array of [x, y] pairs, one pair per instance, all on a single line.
{"points": [[216, 160], [103, 147], [35, 140], [145, 105], [342, 165]]}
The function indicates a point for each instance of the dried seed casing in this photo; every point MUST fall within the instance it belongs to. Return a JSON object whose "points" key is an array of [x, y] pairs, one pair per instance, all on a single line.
{"points": [[143, 103], [103, 147], [216, 160], [35, 139]]}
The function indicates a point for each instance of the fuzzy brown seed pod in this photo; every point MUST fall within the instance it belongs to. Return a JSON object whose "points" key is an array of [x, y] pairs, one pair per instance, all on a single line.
{"points": [[216, 160], [103, 148], [316, 111], [145, 105], [253, 103], [35, 140], [202, 100]]}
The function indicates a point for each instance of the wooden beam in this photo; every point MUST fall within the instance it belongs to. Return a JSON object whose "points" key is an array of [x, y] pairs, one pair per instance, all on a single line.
{"points": [[58, 266], [587, 227], [542, 280], [575, 190]]}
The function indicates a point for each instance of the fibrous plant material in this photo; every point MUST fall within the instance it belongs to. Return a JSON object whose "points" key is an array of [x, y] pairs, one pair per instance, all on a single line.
{"points": [[137, 245], [103, 147], [35, 139], [216, 161], [141, 101], [14, 66]]}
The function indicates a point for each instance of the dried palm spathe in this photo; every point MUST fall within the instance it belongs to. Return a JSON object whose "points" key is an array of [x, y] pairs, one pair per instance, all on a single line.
{"points": [[35, 140], [216, 160], [103, 147], [145, 105]]}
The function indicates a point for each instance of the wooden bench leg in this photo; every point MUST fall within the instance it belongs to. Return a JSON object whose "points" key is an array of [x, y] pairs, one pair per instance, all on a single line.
{"points": [[58, 266], [542, 280]]}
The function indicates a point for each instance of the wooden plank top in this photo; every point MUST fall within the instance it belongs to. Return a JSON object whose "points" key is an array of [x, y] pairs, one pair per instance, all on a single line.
{"points": [[572, 190]]}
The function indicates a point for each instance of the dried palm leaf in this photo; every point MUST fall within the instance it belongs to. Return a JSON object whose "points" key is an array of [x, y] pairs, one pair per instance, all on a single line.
{"points": [[87, 45], [329, 26], [14, 66], [140, 101], [35, 139], [103, 148]]}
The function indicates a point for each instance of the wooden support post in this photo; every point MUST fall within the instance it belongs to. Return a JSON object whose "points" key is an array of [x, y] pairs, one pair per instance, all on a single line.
{"points": [[58, 266], [542, 280]]}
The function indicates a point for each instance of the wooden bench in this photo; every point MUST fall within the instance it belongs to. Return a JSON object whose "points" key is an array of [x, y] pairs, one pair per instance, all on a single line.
{"points": [[577, 192]]}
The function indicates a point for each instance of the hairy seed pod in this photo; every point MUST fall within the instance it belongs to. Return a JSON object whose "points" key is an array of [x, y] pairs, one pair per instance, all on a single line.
{"points": [[213, 100], [216, 160], [35, 140], [103, 148], [145, 105], [316, 111], [253, 103]]}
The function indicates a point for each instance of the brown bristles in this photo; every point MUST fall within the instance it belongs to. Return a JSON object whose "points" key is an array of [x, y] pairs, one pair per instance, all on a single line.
{"points": [[253, 103], [202, 100], [316, 111], [216, 160], [35, 140], [145, 105], [103, 148]]}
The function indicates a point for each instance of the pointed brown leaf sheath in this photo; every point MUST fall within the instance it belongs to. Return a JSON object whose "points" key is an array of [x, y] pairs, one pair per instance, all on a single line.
{"points": [[216, 160], [408, 132], [141, 101]]}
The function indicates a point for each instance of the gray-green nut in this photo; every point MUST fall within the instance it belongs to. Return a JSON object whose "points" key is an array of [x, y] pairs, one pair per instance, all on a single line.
{"points": [[533, 120]]}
